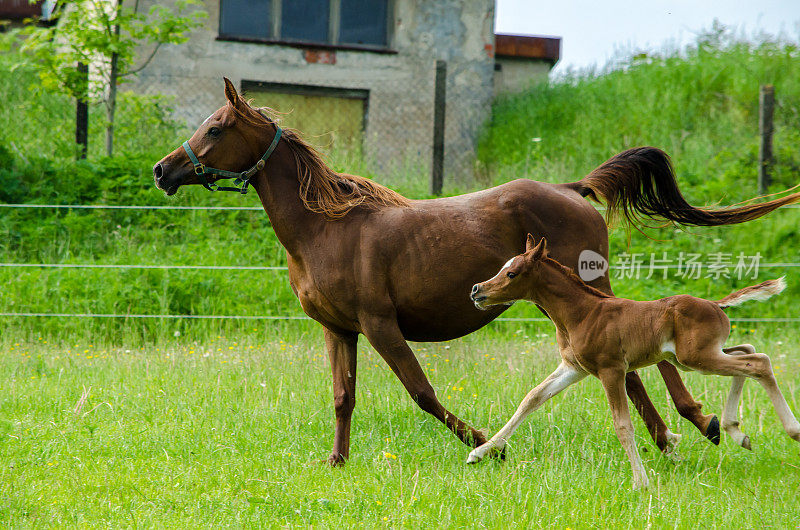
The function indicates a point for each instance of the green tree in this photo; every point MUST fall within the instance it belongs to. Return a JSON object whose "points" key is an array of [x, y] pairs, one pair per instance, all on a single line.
{"points": [[106, 35]]}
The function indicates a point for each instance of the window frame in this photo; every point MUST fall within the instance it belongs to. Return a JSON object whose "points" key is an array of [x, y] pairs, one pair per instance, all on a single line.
{"points": [[334, 19]]}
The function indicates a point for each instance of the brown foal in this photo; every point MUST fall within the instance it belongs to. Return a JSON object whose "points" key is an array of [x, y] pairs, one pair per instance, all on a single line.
{"points": [[606, 336]]}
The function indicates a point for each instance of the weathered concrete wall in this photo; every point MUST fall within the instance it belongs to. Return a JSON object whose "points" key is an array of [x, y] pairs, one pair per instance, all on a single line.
{"points": [[517, 74], [401, 85]]}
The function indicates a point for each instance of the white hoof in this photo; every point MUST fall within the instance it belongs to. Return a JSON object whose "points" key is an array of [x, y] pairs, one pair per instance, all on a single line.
{"points": [[740, 438], [672, 443], [477, 454]]}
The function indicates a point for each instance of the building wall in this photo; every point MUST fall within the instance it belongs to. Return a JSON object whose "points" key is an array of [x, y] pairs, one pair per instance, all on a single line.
{"points": [[513, 75], [399, 124]]}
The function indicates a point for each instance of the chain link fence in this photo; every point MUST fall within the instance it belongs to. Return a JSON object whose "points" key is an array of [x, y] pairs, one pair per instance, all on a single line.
{"points": [[382, 126]]}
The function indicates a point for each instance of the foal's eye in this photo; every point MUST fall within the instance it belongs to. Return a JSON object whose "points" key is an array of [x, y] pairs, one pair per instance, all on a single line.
{"points": [[511, 274], [214, 132]]}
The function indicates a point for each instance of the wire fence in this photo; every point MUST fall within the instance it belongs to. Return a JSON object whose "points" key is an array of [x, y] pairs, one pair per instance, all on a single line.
{"points": [[248, 268], [364, 119]]}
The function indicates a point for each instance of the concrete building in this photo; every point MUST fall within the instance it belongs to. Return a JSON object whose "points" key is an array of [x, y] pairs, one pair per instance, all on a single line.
{"points": [[522, 61], [13, 13], [352, 73]]}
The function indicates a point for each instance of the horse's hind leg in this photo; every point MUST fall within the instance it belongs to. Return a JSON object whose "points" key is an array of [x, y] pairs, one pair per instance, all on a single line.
{"points": [[755, 365], [563, 377], [613, 380], [342, 353], [708, 424], [730, 414], [385, 336], [665, 439]]}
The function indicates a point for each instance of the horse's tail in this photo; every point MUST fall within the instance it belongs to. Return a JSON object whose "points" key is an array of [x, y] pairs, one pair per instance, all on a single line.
{"points": [[640, 183], [762, 291]]}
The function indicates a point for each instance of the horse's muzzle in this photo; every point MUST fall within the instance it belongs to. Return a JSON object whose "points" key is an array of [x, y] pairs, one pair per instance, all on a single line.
{"points": [[476, 296], [162, 181]]}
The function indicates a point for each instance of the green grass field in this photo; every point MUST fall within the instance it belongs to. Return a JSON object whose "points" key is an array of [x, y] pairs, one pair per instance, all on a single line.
{"points": [[228, 432], [177, 423]]}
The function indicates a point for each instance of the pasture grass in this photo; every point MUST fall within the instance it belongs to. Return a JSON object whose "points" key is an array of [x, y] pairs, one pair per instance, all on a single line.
{"points": [[230, 431]]}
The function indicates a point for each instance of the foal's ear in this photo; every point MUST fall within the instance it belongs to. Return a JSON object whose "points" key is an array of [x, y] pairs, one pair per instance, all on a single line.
{"points": [[539, 251], [530, 243], [230, 92]]}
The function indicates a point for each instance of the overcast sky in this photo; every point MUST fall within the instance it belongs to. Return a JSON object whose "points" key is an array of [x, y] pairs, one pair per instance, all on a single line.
{"points": [[592, 31]]}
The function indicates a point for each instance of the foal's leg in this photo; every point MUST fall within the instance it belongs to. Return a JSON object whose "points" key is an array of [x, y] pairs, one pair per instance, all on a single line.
{"points": [[708, 424], [730, 419], [665, 439], [613, 380], [563, 377], [386, 337], [342, 353], [755, 365]]}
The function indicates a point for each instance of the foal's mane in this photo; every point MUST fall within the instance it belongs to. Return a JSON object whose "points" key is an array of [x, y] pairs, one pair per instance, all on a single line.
{"points": [[570, 274], [322, 190]]}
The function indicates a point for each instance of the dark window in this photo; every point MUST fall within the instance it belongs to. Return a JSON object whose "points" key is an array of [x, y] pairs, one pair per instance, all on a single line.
{"points": [[329, 22], [363, 22], [246, 18], [305, 20]]}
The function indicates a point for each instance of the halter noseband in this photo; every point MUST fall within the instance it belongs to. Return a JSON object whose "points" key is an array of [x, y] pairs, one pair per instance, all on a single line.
{"points": [[242, 178]]}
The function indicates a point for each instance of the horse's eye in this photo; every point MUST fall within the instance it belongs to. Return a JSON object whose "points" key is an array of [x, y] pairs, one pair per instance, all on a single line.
{"points": [[511, 274], [214, 132]]}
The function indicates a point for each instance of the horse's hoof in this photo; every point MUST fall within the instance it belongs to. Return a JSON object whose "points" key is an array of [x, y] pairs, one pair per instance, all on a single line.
{"points": [[474, 457], [335, 460], [746, 443], [712, 431]]}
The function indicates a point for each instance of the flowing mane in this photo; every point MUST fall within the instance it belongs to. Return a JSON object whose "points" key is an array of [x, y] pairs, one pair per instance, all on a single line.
{"points": [[570, 274], [323, 190]]}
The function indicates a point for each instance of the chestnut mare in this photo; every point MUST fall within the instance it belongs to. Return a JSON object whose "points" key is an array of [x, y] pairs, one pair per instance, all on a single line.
{"points": [[366, 260], [605, 336]]}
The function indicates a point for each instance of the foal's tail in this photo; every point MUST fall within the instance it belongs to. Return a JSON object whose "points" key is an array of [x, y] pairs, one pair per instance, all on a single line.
{"points": [[640, 183], [762, 291]]}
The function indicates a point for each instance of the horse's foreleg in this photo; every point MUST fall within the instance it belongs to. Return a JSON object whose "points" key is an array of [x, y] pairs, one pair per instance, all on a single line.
{"points": [[708, 424], [385, 336], [564, 376], [614, 384], [664, 438], [342, 353]]}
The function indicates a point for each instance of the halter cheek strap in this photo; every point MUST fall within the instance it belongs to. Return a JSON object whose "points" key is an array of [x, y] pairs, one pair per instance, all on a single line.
{"points": [[242, 178]]}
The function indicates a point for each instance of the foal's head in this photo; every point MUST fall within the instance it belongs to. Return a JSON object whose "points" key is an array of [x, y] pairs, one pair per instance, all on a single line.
{"points": [[515, 279], [233, 138]]}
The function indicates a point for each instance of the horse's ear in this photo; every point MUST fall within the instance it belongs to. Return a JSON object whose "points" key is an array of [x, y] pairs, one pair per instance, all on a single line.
{"points": [[230, 92], [529, 243], [540, 250]]}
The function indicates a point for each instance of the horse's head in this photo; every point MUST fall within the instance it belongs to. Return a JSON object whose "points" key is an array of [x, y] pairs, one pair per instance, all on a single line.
{"points": [[514, 280], [226, 140]]}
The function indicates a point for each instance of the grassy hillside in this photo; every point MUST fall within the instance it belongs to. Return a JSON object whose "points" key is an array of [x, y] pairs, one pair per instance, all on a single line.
{"points": [[700, 105]]}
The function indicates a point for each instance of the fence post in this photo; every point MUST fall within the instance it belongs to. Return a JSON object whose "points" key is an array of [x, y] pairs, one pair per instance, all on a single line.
{"points": [[437, 168], [766, 106], [82, 115]]}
